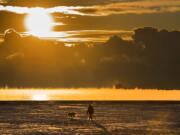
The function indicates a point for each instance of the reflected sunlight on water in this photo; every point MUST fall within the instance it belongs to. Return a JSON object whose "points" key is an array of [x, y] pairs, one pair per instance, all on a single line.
{"points": [[40, 97], [88, 94]]}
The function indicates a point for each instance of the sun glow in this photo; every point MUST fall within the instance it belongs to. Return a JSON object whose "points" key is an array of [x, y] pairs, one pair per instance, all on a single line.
{"points": [[40, 97], [39, 24]]}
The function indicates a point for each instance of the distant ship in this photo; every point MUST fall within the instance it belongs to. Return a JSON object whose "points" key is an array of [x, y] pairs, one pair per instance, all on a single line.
{"points": [[120, 86]]}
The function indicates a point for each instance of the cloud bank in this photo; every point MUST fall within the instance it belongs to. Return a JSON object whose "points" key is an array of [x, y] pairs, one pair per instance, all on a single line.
{"points": [[151, 60], [121, 7], [136, 7]]}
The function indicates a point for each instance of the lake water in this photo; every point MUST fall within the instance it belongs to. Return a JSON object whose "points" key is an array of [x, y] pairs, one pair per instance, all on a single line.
{"points": [[88, 94], [110, 118]]}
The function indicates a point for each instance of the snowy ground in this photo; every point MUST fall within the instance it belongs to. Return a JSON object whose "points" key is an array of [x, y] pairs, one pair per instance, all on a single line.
{"points": [[111, 118]]}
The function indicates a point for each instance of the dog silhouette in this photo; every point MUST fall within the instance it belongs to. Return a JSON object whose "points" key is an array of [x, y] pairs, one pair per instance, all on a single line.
{"points": [[71, 115]]}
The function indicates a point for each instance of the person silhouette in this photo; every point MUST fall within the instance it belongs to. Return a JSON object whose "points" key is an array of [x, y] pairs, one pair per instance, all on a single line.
{"points": [[90, 112]]}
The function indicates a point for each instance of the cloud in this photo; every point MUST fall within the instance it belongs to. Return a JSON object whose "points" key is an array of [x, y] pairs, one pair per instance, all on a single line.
{"points": [[121, 7], [150, 61], [136, 7], [27, 10], [89, 35], [52, 3]]}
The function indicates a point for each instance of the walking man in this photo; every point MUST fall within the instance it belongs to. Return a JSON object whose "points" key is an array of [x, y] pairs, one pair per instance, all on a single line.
{"points": [[90, 112]]}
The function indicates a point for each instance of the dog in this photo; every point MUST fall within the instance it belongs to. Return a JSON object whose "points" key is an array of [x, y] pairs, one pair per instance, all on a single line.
{"points": [[71, 115]]}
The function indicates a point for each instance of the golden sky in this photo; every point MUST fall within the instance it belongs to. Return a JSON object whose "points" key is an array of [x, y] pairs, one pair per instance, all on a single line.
{"points": [[95, 20]]}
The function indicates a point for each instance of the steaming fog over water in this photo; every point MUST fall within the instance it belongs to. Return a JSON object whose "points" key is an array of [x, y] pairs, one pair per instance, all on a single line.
{"points": [[88, 94]]}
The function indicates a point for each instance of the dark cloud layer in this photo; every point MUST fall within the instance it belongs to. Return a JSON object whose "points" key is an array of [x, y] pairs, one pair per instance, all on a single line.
{"points": [[151, 60], [98, 8], [52, 3]]}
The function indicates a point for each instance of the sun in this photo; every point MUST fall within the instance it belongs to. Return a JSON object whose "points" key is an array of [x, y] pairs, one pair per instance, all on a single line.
{"points": [[39, 24]]}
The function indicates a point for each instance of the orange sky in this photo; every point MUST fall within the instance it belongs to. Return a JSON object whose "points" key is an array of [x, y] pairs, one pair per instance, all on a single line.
{"points": [[95, 20]]}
